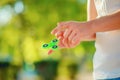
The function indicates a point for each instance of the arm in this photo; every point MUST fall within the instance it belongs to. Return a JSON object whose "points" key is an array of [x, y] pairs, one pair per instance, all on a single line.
{"points": [[106, 23], [91, 15], [75, 32]]}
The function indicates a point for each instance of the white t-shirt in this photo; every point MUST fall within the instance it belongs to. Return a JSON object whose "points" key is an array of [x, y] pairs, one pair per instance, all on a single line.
{"points": [[106, 60]]}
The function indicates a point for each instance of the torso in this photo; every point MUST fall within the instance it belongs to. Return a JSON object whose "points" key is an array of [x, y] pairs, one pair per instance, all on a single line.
{"points": [[107, 56]]}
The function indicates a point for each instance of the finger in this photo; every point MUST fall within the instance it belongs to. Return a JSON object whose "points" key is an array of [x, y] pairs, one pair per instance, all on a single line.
{"points": [[58, 34], [72, 35], [54, 31], [59, 38], [76, 39], [50, 51], [60, 44], [61, 25], [72, 45], [66, 43], [67, 33]]}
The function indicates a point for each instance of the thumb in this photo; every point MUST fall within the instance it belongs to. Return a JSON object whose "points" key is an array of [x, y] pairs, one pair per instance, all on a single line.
{"points": [[54, 31]]}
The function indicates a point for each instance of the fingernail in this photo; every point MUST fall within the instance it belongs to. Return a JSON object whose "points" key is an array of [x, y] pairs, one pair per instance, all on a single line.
{"points": [[55, 34], [73, 41], [59, 38], [50, 52], [51, 32]]}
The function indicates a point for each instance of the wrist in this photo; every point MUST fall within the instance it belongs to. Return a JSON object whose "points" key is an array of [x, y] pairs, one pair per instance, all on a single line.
{"points": [[90, 27], [90, 33]]}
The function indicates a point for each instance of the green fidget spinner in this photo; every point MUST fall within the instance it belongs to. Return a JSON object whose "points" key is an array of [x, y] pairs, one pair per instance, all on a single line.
{"points": [[53, 45]]}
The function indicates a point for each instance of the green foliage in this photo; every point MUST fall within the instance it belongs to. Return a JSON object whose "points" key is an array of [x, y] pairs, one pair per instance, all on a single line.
{"points": [[24, 34], [26, 31]]}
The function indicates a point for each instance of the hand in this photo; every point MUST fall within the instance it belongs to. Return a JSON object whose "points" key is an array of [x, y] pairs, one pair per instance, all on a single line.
{"points": [[71, 33]]}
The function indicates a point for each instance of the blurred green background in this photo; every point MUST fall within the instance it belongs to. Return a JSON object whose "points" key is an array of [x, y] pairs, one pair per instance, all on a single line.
{"points": [[25, 25]]}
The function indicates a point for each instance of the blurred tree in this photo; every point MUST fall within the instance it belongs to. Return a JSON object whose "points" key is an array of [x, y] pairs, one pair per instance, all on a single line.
{"points": [[29, 25]]}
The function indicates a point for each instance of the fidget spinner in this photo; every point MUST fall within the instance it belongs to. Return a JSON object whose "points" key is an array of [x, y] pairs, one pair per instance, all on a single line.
{"points": [[53, 45]]}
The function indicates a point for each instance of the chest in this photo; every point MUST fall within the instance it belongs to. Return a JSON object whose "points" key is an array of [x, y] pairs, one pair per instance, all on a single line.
{"points": [[105, 7]]}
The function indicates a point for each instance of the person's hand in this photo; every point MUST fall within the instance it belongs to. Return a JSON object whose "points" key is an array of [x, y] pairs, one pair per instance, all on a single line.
{"points": [[71, 33]]}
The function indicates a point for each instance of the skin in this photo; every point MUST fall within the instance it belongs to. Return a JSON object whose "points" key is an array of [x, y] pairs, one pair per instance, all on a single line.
{"points": [[71, 33]]}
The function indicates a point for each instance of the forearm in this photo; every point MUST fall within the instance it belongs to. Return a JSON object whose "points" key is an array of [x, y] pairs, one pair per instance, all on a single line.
{"points": [[106, 23], [91, 15]]}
